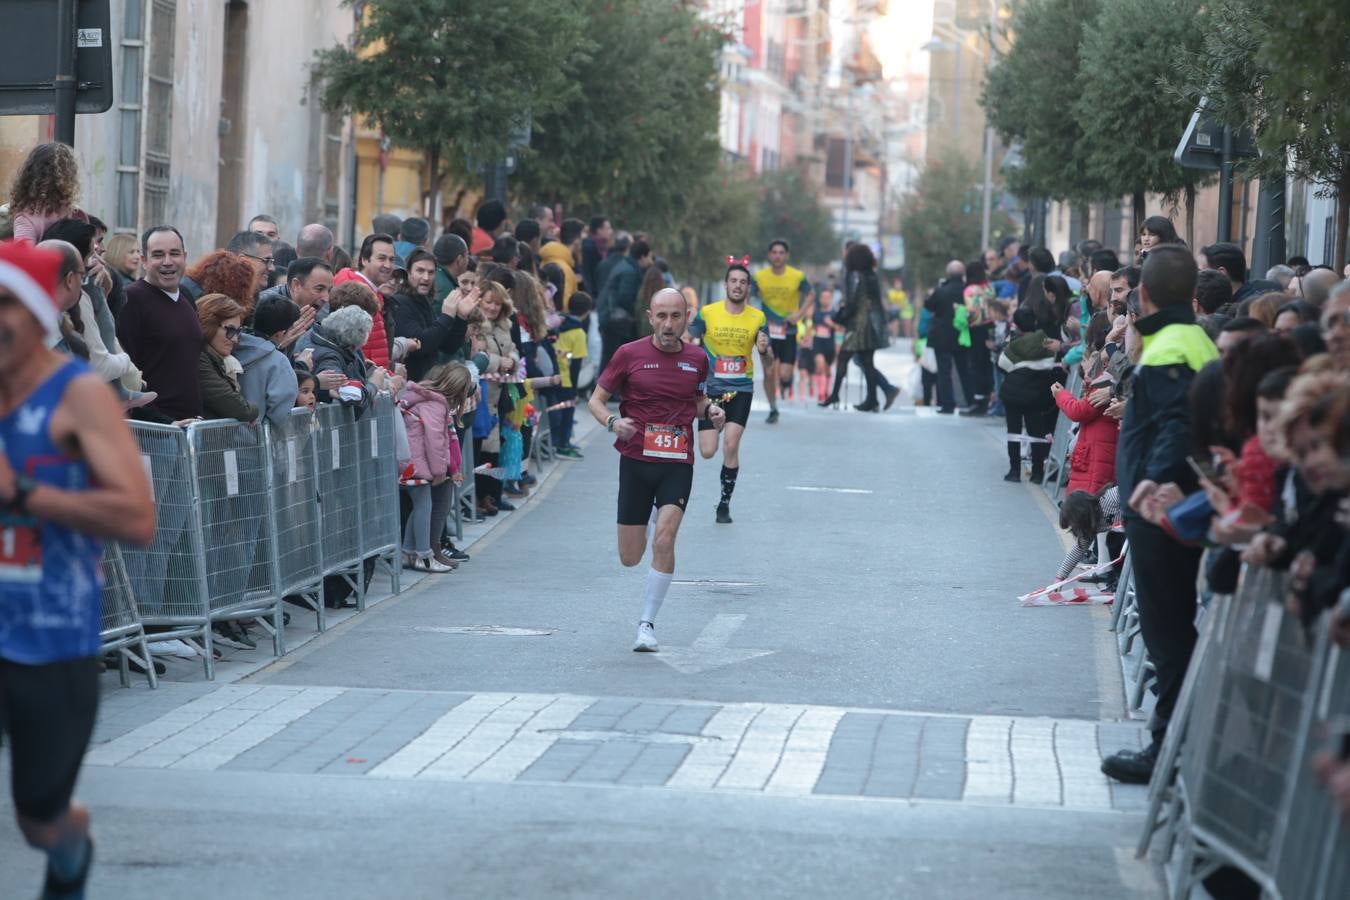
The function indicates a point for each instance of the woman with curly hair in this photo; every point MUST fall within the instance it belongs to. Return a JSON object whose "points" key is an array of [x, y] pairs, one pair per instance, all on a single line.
{"points": [[223, 272], [44, 190]]}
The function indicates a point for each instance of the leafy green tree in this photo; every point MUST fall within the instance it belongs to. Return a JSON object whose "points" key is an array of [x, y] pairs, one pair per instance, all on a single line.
{"points": [[1029, 95], [715, 216], [1132, 122], [789, 209], [1280, 69], [940, 221], [641, 128], [432, 73]]}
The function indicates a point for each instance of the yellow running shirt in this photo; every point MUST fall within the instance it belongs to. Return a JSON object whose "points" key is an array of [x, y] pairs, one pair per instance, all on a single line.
{"points": [[729, 341], [781, 294]]}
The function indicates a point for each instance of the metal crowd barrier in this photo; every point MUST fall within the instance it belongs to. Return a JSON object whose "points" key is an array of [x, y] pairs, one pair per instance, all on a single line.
{"points": [[1062, 443], [381, 540], [340, 498], [121, 631], [249, 515], [297, 523], [1234, 772], [466, 493]]}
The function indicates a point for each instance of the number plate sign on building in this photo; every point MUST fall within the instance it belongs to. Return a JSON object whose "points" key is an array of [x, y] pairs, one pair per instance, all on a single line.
{"points": [[28, 57]]}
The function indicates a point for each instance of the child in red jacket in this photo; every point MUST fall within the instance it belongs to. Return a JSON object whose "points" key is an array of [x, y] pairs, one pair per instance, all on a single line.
{"points": [[1093, 463]]}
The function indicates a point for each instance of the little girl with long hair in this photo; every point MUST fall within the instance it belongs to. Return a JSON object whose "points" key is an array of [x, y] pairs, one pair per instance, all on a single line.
{"points": [[429, 407]]}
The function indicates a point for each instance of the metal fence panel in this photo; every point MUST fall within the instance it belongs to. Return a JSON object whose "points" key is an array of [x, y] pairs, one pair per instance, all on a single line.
{"points": [[294, 479], [379, 479], [339, 489], [121, 631], [168, 577], [230, 464], [1242, 775]]}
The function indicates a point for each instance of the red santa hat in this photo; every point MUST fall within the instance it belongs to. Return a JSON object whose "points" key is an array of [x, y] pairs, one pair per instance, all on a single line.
{"points": [[30, 274]]}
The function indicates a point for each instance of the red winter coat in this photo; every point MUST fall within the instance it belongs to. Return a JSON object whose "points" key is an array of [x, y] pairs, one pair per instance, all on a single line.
{"points": [[377, 345], [1093, 463]]}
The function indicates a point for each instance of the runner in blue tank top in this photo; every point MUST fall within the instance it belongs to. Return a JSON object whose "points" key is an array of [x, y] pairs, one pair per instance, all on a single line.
{"points": [[69, 476]]}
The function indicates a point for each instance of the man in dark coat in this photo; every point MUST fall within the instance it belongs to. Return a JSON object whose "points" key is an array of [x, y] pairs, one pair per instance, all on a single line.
{"points": [[942, 335]]}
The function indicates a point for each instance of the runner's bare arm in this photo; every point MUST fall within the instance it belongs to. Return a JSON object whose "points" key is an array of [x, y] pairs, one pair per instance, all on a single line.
{"points": [[808, 296], [117, 504], [598, 404]]}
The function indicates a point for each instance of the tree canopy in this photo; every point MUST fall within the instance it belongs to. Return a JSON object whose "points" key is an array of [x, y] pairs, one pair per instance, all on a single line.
{"points": [[1029, 95], [1134, 122], [790, 210], [941, 219], [641, 129], [432, 73], [1280, 69]]}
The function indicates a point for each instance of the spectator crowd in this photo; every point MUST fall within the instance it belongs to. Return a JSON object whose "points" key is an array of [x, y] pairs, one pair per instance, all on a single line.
{"points": [[1213, 422]]}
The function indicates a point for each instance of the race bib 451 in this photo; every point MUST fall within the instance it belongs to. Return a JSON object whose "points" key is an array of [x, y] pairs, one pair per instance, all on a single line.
{"points": [[666, 442]]}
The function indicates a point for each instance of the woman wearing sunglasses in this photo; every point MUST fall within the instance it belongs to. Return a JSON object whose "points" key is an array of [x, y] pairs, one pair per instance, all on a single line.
{"points": [[218, 370]]}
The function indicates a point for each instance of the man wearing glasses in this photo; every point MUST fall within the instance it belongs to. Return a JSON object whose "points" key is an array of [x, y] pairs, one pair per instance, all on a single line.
{"points": [[257, 249], [158, 326]]}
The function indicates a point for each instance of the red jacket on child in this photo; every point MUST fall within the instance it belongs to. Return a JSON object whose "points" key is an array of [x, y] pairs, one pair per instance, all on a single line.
{"points": [[1093, 463]]}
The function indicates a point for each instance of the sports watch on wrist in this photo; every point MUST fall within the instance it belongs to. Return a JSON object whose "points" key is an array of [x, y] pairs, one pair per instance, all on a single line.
{"points": [[23, 486]]}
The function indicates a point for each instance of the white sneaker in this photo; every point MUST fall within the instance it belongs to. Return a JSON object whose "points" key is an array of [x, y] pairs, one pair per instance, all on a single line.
{"points": [[431, 564], [646, 639]]}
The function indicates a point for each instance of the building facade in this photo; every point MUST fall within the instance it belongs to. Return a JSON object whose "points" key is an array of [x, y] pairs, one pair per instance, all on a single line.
{"points": [[215, 119]]}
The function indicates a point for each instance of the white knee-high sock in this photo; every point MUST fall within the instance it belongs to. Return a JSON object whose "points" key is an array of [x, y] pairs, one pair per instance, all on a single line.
{"points": [[657, 585]]}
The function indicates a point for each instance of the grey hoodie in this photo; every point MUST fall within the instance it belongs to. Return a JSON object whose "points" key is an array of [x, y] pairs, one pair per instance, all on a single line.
{"points": [[268, 380]]}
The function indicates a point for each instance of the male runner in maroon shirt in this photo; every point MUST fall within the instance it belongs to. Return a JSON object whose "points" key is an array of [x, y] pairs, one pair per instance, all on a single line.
{"points": [[661, 382]]}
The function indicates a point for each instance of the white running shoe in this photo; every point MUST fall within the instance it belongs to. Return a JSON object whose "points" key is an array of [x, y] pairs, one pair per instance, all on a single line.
{"points": [[646, 639], [431, 564]]}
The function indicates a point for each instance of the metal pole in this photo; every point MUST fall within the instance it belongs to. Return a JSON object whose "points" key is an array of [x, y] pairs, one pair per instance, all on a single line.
{"points": [[986, 211], [987, 208], [65, 71], [848, 164], [1226, 188]]}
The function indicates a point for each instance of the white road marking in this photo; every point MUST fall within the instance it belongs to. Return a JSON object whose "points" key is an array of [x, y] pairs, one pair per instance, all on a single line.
{"points": [[710, 650], [827, 490], [989, 772], [494, 737]]}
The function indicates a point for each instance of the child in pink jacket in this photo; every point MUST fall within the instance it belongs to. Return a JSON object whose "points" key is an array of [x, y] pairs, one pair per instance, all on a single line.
{"points": [[428, 408]]}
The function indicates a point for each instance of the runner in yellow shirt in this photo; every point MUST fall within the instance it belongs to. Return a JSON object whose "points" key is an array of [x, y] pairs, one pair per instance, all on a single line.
{"points": [[731, 333], [786, 296]]}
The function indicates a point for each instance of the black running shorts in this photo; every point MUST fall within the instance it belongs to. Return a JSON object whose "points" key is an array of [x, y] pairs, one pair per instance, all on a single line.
{"points": [[737, 410], [47, 716], [785, 348], [643, 485]]}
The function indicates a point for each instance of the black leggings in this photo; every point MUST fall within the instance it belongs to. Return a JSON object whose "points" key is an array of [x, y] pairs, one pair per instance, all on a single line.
{"points": [[485, 485], [1040, 422], [866, 362]]}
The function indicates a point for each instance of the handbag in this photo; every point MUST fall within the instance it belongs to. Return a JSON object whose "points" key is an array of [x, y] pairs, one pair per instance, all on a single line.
{"points": [[928, 361]]}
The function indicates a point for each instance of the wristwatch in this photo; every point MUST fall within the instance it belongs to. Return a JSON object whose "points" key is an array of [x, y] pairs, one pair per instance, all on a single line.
{"points": [[609, 423], [23, 486]]}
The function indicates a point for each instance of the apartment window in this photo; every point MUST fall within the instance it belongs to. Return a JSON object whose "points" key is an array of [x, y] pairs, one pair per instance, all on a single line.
{"points": [[159, 112], [127, 216]]}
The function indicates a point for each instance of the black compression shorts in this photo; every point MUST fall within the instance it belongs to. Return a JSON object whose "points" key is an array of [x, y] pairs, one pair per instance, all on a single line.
{"points": [[737, 410], [825, 347], [47, 715], [785, 348], [643, 485]]}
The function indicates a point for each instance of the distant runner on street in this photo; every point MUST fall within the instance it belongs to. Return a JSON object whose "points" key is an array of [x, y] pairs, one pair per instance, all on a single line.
{"points": [[660, 381], [787, 296], [731, 332], [69, 475]]}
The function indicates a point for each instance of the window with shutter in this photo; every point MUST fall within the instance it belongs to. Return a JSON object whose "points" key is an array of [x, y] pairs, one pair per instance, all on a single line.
{"points": [[158, 112]]}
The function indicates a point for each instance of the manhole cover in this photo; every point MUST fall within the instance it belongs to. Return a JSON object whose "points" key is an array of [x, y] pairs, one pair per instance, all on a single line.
{"points": [[500, 630]]}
